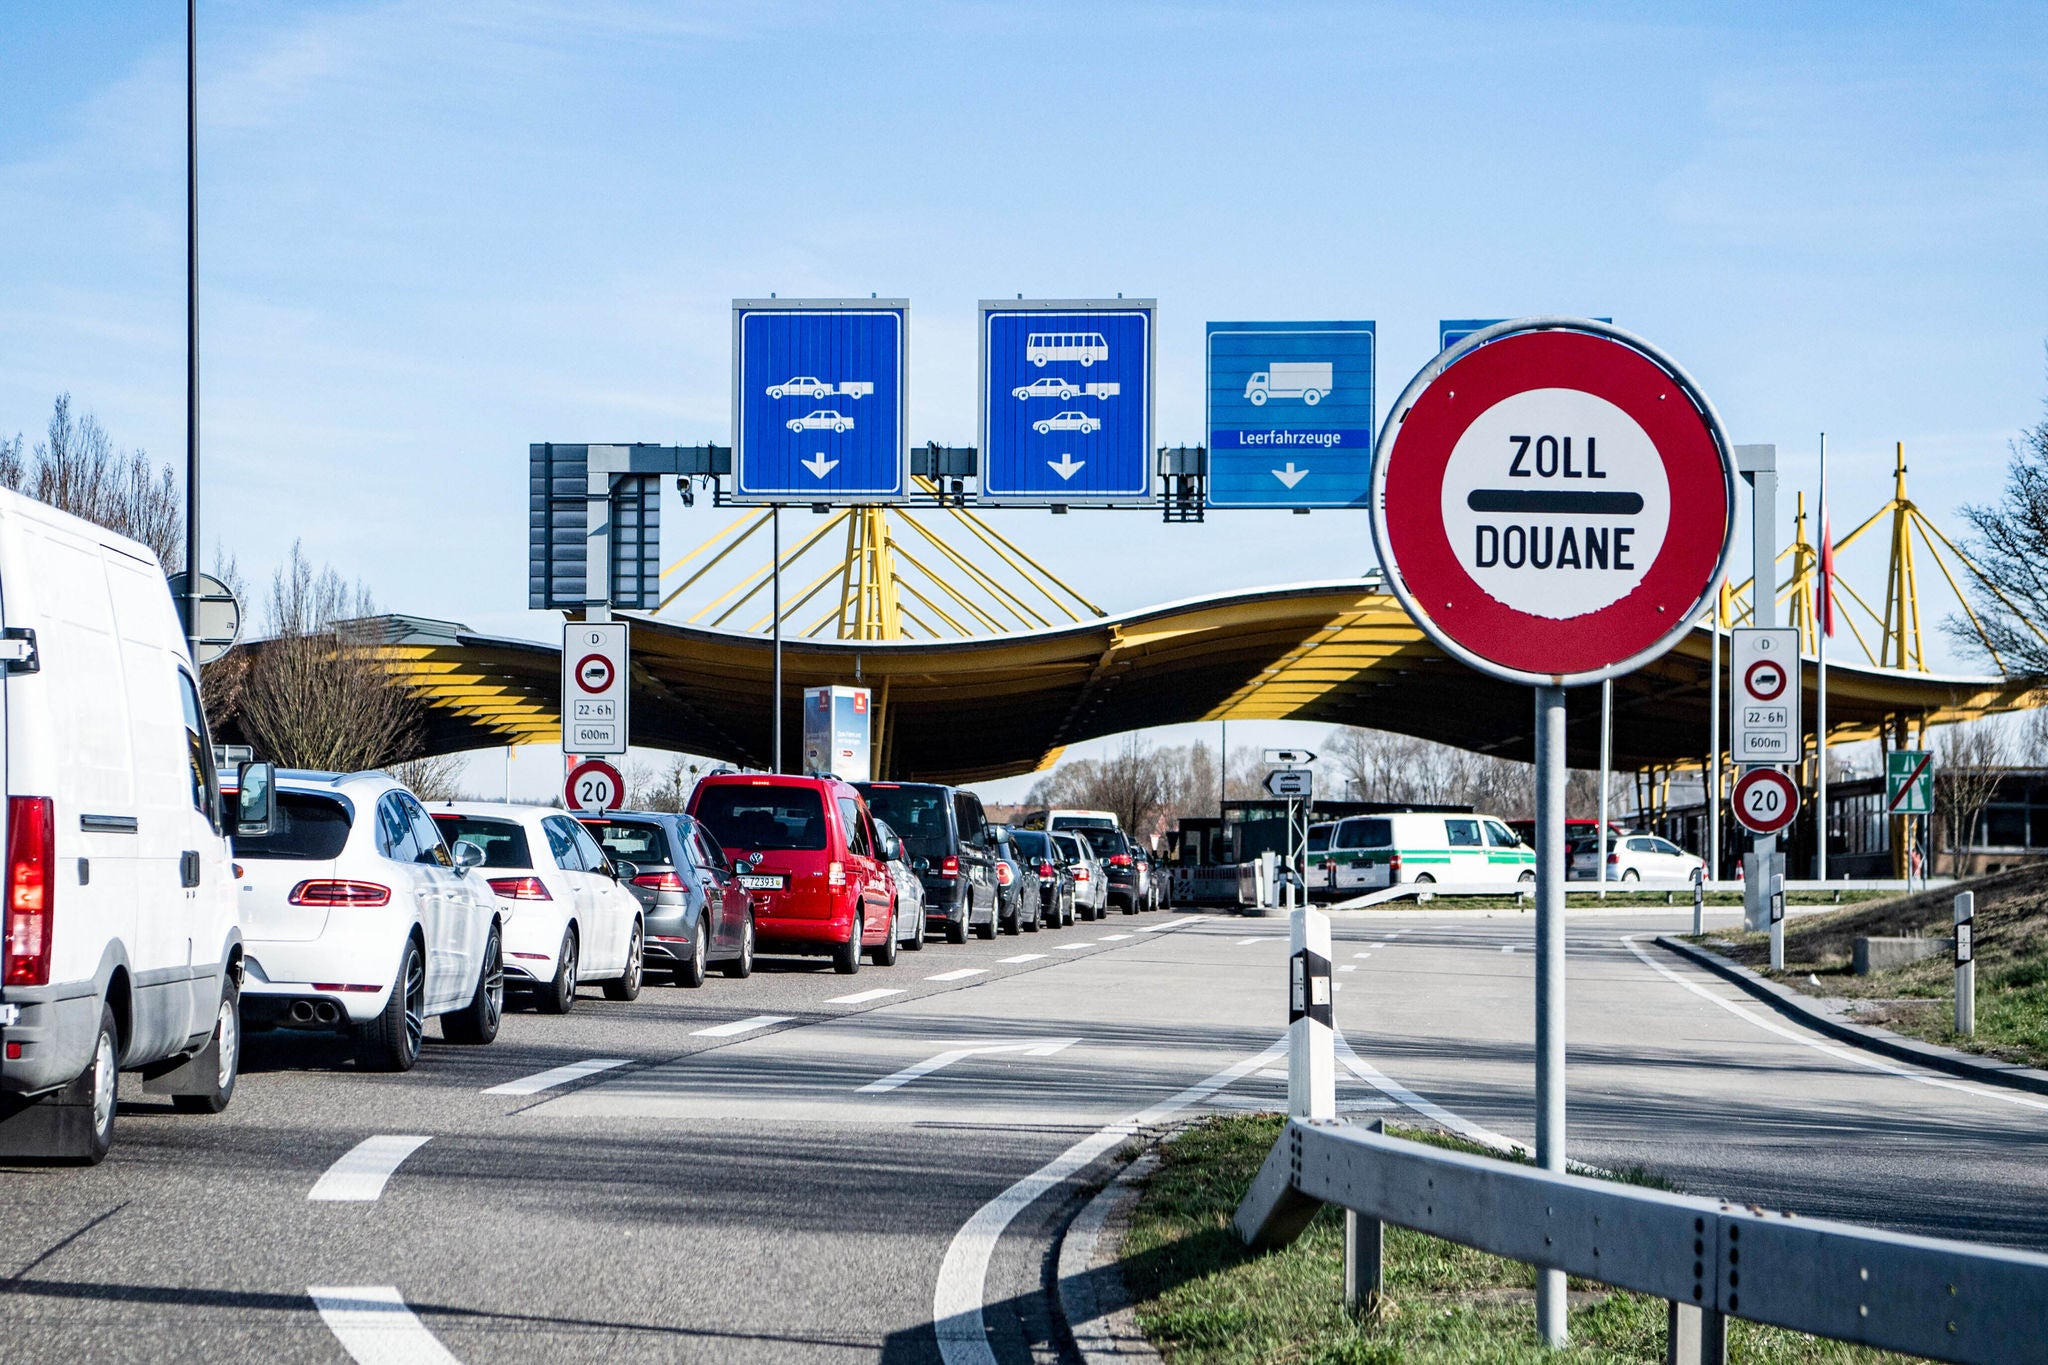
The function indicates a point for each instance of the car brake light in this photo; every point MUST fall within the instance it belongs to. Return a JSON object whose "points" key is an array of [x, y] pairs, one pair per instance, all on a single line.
{"points": [[1003, 874], [835, 874], [1614, 857], [1119, 860], [1045, 869], [950, 868], [1080, 874], [660, 881], [1394, 862], [325, 891], [521, 888], [31, 891]]}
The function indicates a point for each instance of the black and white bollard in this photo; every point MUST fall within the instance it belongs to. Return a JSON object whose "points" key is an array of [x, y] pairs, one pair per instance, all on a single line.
{"points": [[1966, 963], [1311, 1036], [1699, 901]]}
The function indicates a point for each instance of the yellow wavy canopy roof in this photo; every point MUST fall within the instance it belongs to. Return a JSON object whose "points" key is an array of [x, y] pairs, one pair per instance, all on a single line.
{"points": [[1339, 653]]}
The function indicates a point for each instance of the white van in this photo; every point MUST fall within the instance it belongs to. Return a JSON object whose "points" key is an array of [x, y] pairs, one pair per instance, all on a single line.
{"points": [[119, 943], [1070, 820], [1367, 852]]}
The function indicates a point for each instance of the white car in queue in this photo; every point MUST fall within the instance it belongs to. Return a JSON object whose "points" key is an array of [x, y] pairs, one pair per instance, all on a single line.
{"points": [[570, 915], [356, 917]]}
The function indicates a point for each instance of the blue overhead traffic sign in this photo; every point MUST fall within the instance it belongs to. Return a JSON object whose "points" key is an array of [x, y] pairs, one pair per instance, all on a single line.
{"points": [[1066, 401], [820, 400], [1451, 331], [1290, 414]]}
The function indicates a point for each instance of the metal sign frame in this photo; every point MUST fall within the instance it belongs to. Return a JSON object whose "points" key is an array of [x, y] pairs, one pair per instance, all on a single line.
{"points": [[1757, 717], [995, 495], [597, 719], [1679, 614], [898, 489]]}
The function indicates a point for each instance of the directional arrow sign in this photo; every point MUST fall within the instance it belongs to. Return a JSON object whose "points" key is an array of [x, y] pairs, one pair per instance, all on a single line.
{"points": [[1066, 401], [820, 395], [1288, 400], [1291, 782], [1289, 757], [1036, 1047]]}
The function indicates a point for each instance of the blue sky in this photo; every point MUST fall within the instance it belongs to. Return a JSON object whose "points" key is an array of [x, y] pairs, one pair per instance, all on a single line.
{"points": [[435, 232]]}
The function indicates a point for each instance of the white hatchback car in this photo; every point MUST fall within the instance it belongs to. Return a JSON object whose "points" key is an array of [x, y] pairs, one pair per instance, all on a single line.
{"points": [[1639, 858], [356, 917], [570, 916]]}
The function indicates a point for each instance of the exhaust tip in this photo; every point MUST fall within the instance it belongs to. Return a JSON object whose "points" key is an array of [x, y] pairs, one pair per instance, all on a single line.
{"points": [[327, 1012], [301, 1012]]}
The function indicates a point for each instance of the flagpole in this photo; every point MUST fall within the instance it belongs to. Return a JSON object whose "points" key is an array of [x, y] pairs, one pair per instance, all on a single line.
{"points": [[1827, 624]]}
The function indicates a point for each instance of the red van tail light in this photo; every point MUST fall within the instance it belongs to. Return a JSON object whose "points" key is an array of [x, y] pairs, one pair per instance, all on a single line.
{"points": [[950, 867], [835, 874], [1080, 874], [1045, 869], [1003, 874], [329, 891], [1119, 860], [659, 881], [521, 888], [31, 891], [1394, 866]]}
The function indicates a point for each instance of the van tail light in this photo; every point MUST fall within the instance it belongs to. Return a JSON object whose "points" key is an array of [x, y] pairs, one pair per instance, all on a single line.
{"points": [[521, 888], [1080, 874], [1394, 866], [330, 892], [1045, 869], [1003, 874], [31, 890], [835, 874], [659, 881], [950, 867], [1119, 860]]}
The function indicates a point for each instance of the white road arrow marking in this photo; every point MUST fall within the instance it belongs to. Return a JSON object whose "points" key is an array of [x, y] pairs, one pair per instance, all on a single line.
{"points": [[1043, 1047], [1066, 466], [373, 1325], [360, 1174], [1290, 475], [820, 466]]}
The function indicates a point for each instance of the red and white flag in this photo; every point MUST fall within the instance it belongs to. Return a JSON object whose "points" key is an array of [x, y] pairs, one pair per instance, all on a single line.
{"points": [[1827, 576]]}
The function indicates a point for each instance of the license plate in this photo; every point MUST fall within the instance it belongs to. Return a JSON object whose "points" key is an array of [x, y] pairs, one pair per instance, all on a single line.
{"points": [[762, 881]]}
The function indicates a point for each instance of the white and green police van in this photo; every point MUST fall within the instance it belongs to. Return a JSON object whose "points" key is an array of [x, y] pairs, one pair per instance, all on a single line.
{"points": [[1367, 852]]}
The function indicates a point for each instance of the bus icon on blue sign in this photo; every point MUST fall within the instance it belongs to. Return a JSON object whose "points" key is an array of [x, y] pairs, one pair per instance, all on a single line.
{"points": [[1066, 401]]}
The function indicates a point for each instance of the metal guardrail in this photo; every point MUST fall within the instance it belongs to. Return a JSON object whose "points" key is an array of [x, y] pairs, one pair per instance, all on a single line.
{"points": [[1946, 1300]]}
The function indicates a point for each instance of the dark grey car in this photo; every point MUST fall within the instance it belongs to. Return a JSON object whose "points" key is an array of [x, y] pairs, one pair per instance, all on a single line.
{"points": [[951, 849], [697, 912]]}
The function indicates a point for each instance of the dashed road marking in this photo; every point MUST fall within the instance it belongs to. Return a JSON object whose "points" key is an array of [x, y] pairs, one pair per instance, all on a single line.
{"points": [[1172, 924], [1023, 957], [1348, 967], [1361, 956], [1070, 947], [1507, 947], [561, 1075], [1111, 938], [739, 1026], [862, 997], [373, 1324], [360, 1174], [1241, 942], [1031, 1047], [959, 974]]}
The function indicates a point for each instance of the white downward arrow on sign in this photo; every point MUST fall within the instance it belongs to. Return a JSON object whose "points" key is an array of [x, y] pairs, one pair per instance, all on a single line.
{"points": [[1290, 475], [820, 466], [1066, 466]]}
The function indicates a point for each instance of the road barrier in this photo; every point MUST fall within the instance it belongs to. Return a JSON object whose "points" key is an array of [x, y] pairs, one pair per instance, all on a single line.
{"points": [[1711, 1260]]}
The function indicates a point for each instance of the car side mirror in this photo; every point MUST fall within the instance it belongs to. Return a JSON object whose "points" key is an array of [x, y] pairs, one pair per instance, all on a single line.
{"points": [[255, 799], [742, 866], [467, 855], [921, 865], [625, 871]]}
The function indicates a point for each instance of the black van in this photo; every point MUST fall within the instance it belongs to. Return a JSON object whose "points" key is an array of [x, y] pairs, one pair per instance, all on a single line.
{"points": [[951, 849]]}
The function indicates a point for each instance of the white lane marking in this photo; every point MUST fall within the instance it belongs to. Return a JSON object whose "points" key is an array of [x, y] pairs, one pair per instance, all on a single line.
{"points": [[963, 1276], [1274, 1073], [1507, 947], [862, 997], [1172, 924], [1023, 957], [1111, 938], [959, 974], [363, 1168], [374, 1326], [561, 1075], [1401, 1094], [1040, 1047], [1839, 1053], [1348, 967], [1070, 947], [1361, 956], [739, 1026], [1241, 942]]}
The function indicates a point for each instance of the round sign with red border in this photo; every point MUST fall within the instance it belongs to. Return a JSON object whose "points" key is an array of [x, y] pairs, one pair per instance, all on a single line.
{"points": [[1765, 800], [1764, 680], [594, 785], [1553, 501], [594, 673]]}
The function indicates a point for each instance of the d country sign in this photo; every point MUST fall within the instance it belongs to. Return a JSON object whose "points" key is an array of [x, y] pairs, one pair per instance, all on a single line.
{"points": [[1553, 501]]}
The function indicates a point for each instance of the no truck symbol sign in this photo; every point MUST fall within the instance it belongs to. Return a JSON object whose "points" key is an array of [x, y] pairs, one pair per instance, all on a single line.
{"points": [[1559, 471]]}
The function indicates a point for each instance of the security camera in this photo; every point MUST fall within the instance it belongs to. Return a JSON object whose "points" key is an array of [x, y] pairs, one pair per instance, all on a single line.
{"points": [[683, 487]]}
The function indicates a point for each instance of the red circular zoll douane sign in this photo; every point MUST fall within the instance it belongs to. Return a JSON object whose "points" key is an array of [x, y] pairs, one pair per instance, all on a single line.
{"points": [[1553, 501], [1765, 800], [594, 785]]}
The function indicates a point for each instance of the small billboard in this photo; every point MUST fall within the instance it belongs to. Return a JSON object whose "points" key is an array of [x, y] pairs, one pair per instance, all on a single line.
{"points": [[838, 733]]}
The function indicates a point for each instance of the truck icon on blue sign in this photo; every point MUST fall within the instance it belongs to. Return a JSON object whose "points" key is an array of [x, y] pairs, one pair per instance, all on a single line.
{"points": [[1309, 381]]}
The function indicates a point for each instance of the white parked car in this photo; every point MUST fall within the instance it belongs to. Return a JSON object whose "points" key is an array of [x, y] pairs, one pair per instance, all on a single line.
{"points": [[1639, 858], [803, 386], [1067, 421], [1091, 878], [357, 917], [119, 947], [909, 886], [824, 419], [569, 913], [1049, 387]]}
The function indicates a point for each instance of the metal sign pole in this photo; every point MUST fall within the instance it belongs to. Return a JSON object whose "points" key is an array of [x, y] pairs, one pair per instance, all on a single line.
{"points": [[1606, 770], [1550, 855], [193, 589], [1713, 769], [1759, 465], [775, 612]]}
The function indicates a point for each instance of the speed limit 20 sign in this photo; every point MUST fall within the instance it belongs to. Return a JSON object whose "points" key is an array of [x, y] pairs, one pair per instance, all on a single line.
{"points": [[594, 785], [596, 697], [1765, 800], [1553, 501]]}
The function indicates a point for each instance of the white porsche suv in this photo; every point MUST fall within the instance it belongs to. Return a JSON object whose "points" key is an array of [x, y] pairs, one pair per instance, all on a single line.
{"points": [[357, 917]]}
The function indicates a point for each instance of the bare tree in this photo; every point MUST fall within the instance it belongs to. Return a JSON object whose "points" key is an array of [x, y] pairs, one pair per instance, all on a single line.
{"points": [[2011, 547], [77, 469], [667, 789], [437, 778], [1379, 766], [1969, 759], [318, 696]]}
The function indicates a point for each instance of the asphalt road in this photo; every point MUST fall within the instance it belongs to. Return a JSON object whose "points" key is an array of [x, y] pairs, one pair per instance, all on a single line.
{"points": [[771, 1170]]}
